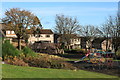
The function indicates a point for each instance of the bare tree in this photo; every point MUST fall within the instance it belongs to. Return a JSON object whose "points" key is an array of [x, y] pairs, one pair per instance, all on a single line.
{"points": [[106, 30], [111, 30], [65, 26], [89, 33], [19, 20], [113, 23]]}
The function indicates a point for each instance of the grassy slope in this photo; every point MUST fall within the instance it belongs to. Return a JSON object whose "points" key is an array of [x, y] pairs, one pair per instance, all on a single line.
{"points": [[10, 71]]}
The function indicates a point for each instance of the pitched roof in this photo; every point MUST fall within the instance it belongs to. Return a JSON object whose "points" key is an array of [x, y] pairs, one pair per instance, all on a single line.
{"points": [[4, 27], [69, 35], [29, 31], [42, 31], [46, 31]]}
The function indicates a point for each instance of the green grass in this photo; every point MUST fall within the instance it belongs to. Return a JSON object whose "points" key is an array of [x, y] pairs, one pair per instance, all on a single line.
{"points": [[116, 60], [11, 71], [68, 59]]}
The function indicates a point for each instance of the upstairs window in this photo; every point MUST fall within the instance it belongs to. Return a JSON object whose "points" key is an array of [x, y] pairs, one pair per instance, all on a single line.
{"points": [[47, 35], [41, 36], [12, 32], [37, 35], [8, 32]]}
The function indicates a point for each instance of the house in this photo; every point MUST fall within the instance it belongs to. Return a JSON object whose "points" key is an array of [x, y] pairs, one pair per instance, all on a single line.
{"points": [[1, 30], [97, 43], [45, 36], [73, 40], [7, 33], [107, 44]]}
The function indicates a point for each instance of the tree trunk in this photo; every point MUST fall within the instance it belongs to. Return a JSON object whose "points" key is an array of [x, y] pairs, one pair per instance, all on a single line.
{"points": [[19, 43], [107, 44]]}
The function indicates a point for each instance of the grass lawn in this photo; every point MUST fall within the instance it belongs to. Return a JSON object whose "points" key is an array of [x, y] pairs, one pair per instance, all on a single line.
{"points": [[76, 59], [11, 71], [116, 60]]}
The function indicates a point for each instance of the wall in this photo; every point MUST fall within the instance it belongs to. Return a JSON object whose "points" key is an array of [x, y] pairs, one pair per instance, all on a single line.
{"points": [[10, 34], [109, 44], [42, 37]]}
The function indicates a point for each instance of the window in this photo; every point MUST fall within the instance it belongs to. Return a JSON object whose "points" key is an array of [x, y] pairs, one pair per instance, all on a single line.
{"points": [[47, 35], [36, 35], [12, 32], [8, 32], [31, 35], [75, 39], [41, 36]]}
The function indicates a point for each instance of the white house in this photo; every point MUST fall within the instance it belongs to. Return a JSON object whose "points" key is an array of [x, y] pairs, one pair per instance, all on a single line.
{"points": [[46, 36]]}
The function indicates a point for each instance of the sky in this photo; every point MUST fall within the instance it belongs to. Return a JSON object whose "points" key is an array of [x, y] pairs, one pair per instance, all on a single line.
{"points": [[87, 13]]}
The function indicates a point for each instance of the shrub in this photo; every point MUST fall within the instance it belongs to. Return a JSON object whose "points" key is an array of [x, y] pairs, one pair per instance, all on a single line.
{"points": [[51, 56], [118, 53], [44, 61], [9, 49], [15, 61], [61, 65], [76, 51], [28, 52]]}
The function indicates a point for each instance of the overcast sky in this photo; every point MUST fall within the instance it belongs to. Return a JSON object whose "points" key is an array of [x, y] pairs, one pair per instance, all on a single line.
{"points": [[94, 13]]}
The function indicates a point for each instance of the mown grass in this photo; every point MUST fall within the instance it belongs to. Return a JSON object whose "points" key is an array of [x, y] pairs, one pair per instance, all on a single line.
{"points": [[11, 71], [68, 59]]}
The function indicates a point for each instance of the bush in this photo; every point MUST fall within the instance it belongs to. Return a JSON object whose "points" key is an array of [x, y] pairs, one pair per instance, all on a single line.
{"points": [[118, 53], [28, 52], [44, 61], [9, 50], [15, 61], [76, 51]]}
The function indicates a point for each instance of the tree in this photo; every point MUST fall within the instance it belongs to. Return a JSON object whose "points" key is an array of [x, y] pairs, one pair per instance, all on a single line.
{"points": [[89, 33], [66, 26], [106, 31], [26, 37], [111, 29], [19, 21]]}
